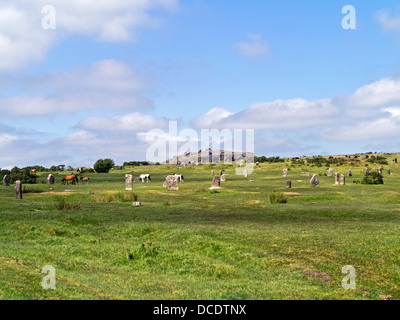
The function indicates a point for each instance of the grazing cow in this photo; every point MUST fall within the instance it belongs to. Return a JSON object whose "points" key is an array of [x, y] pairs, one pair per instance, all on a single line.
{"points": [[180, 177], [33, 171], [71, 178], [84, 179], [144, 177]]}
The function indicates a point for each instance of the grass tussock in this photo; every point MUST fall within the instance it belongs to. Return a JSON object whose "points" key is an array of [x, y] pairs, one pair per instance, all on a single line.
{"points": [[62, 204], [168, 203], [277, 197], [117, 197], [31, 190]]}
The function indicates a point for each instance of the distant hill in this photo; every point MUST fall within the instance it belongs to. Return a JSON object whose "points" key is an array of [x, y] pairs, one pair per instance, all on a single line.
{"points": [[213, 156]]}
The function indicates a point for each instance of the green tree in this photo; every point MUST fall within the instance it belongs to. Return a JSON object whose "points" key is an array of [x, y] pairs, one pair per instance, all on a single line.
{"points": [[103, 165]]}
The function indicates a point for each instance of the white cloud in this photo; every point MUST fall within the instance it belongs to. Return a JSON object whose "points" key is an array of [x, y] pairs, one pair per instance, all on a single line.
{"points": [[22, 39], [380, 93], [7, 139], [279, 114], [257, 47], [131, 122], [379, 128], [211, 118], [106, 85], [387, 22]]}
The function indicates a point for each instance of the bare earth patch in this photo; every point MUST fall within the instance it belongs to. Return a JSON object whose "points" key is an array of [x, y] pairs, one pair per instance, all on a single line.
{"points": [[253, 202], [318, 275], [291, 193]]}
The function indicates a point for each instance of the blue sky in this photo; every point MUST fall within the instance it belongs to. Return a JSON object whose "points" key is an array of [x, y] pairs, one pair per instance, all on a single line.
{"points": [[111, 71]]}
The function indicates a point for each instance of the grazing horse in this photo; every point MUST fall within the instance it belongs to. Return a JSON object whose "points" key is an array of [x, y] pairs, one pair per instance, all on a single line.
{"points": [[180, 177], [85, 179], [144, 177], [71, 178]]}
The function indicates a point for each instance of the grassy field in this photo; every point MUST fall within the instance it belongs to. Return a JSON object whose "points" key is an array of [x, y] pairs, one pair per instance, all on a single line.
{"points": [[200, 244]]}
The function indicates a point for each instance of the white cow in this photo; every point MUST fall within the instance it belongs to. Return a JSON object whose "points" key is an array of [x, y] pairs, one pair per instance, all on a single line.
{"points": [[180, 177], [144, 177]]}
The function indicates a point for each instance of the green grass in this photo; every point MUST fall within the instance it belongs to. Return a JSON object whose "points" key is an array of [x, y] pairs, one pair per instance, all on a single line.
{"points": [[198, 244]]}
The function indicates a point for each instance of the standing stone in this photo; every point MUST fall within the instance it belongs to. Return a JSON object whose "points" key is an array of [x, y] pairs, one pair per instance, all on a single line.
{"points": [[212, 173], [50, 179], [172, 183], [18, 189], [128, 182], [314, 182], [330, 172], [289, 184], [349, 173], [245, 173], [342, 180], [337, 178], [216, 184], [6, 181], [389, 173], [223, 178], [380, 171], [308, 174], [366, 171], [285, 173]]}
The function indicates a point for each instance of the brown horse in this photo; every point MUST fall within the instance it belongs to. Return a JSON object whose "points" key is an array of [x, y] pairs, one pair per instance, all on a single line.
{"points": [[71, 178], [85, 179]]}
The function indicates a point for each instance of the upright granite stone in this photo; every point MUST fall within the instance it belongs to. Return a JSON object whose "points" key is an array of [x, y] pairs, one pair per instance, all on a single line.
{"points": [[349, 173], [330, 172], [379, 171], [342, 180], [212, 173], [223, 178], [245, 173], [285, 173], [18, 189], [366, 171], [6, 181], [50, 179], [216, 183], [128, 182], [172, 183], [289, 184], [314, 182], [389, 173], [336, 177], [308, 174]]}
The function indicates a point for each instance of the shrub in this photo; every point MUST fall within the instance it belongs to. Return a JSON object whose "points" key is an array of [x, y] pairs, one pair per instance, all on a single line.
{"points": [[87, 170], [277, 197], [24, 175], [373, 178]]}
